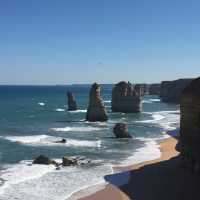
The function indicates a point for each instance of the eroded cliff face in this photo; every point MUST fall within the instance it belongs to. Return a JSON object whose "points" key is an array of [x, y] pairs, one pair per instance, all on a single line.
{"points": [[96, 110], [170, 91], [142, 88], [71, 101], [189, 141], [126, 99]]}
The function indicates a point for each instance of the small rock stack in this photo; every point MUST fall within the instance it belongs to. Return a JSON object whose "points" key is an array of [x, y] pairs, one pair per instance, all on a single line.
{"points": [[72, 106], [96, 110], [121, 131]]}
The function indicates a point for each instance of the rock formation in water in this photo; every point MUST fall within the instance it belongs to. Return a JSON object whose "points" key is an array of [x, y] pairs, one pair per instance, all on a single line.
{"points": [[154, 89], [125, 98], [142, 89], [121, 131], [96, 110], [171, 91], [69, 161], [44, 160], [189, 141], [72, 106]]}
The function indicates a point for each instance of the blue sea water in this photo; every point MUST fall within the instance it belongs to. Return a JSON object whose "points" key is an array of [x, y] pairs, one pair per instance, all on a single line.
{"points": [[33, 117]]}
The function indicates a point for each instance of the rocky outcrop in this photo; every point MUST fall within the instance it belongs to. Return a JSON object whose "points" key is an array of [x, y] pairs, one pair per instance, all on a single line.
{"points": [[125, 98], [69, 161], [171, 91], [121, 131], [72, 106], [189, 142], [96, 110], [154, 89], [44, 160]]}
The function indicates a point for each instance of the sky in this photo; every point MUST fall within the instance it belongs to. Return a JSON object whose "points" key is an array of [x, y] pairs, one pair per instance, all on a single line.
{"points": [[105, 41]]}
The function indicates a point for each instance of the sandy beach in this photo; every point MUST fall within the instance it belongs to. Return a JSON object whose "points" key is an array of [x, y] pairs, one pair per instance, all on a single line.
{"points": [[163, 178]]}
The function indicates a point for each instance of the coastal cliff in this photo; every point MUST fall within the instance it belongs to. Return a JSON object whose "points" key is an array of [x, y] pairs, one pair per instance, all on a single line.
{"points": [[125, 98], [190, 125], [170, 91], [96, 110]]}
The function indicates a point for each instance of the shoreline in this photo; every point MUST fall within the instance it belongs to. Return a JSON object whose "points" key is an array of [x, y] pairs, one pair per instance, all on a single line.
{"points": [[121, 175]]}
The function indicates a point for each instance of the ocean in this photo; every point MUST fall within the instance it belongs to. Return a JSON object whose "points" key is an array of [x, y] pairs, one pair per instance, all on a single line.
{"points": [[32, 118]]}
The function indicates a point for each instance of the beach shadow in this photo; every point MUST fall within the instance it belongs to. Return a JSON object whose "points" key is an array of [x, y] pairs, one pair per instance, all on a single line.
{"points": [[166, 180]]}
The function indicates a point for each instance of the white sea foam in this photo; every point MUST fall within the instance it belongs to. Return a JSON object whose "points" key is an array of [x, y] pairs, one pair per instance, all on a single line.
{"points": [[45, 140], [41, 104], [59, 109], [151, 101], [77, 129], [154, 100], [107, 101], [147, 101], [21, 172], [156, 117], [42, 182], [150, 151], [78, 111], [168, 120]]}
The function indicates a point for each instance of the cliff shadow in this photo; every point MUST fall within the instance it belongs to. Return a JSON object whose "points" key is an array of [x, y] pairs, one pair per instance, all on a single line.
{"points": [[166, 180]]}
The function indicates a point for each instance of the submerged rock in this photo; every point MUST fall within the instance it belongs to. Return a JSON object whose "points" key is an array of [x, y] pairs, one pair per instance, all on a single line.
{"points": [[121, 131], [170, 91], [44, 160], [96, 110], [125, 98], [72, 106], [189, 142], [63, 141]]}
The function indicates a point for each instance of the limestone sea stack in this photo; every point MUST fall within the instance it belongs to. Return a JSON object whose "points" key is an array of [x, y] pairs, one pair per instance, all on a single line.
{"points": [[189, 141], [126, 99], [72, 106], [121, 131], [142, 88], [154, 89], [96, 110], [171, 91]]}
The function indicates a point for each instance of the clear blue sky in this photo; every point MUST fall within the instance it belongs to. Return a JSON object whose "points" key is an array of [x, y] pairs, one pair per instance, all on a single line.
{"points": [[82, 41]]}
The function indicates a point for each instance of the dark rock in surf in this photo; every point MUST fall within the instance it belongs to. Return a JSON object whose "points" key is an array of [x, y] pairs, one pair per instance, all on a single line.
{"points": [[63, 141], [44, 160], [69, 161], [121, 131], [96, 110]]}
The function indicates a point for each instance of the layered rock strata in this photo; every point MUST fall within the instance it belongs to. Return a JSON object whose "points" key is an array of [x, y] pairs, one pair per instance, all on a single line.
{"points": [[170, 91], [126, 99]]}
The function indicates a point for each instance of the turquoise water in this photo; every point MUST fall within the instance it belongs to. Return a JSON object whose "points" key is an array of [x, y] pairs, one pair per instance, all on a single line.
{"points": [[33, 117]]}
